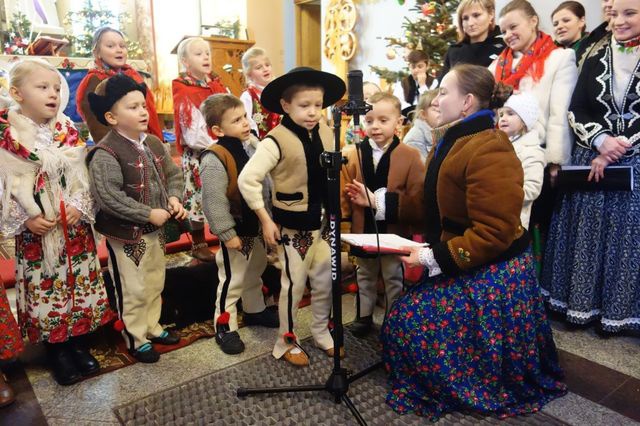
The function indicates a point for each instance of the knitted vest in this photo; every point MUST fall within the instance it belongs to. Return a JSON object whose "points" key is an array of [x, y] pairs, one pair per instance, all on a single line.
{"points": [[137, 172], [233, 157]]}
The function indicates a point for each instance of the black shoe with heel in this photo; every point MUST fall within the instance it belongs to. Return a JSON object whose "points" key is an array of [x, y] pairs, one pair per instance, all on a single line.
{"points": [[82, 358], [62, 364]]}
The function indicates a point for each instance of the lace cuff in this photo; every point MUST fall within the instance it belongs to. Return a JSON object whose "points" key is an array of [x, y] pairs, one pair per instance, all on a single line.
{"points": [[428, 260], [16, 216], [83, 201], [381, 207]]}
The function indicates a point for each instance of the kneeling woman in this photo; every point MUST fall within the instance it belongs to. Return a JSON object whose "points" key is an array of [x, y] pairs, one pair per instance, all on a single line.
{"points": [[473, 334]]}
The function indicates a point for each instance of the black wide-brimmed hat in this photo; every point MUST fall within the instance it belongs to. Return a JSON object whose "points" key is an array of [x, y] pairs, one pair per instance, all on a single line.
{"points": [[116, 88], [333, 86]]}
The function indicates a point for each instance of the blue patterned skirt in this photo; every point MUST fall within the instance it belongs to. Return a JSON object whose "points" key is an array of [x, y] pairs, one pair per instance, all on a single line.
{"points": [[478, 342], [592, 261]]}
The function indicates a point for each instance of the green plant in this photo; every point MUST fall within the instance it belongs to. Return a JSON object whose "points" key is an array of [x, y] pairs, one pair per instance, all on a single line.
{"points": [[93, 15]]}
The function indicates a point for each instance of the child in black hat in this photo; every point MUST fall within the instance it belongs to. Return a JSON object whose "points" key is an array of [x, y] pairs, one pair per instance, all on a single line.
{"points": [[290, 153], [138, 188]]}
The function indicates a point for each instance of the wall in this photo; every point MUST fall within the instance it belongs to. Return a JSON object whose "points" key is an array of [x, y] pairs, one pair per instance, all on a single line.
{"points": [[173, 20], [271, 25]]}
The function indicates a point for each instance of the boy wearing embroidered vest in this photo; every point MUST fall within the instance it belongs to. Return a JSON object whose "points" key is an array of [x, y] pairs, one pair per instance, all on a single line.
{"points": [[290, 153], [242, 256], [386, 163], [137, 188]]}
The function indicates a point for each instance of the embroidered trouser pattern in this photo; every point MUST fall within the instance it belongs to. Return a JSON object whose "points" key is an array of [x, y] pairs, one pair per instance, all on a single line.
{"points": [[138, 277], [304, 254], [239, 273]]}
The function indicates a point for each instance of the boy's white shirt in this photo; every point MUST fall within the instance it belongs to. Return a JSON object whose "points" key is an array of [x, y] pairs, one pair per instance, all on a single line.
{"points": [[399, 93]]}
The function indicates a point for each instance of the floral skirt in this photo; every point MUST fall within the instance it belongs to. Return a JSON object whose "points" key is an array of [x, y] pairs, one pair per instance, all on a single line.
{"points": [[66, 303], [192, 195], [591, 269], [478, 342], [10, 338]]}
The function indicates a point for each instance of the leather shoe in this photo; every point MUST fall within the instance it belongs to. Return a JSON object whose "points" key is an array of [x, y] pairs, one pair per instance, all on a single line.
{"points": [[299, 359], [167, 337], [229, 342], [202, 253], [82, 358], [330, 352], [61, 362], [7, 396], [266, 318], [362, 326], [148, 356]]}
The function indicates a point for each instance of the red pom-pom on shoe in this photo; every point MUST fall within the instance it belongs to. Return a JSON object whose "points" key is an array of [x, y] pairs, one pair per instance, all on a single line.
{"points": [[289, 338], [352, 288], [223, 319], [265, 290], [118, 325]]}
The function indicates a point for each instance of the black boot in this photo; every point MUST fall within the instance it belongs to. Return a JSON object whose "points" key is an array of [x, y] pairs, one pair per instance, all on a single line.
{"points": [[82, 358], [362, 326], [266, 318], [61, 364]]}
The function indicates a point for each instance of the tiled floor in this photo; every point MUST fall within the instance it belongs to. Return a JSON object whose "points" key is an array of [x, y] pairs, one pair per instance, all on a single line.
{"points": [[603, 376]]}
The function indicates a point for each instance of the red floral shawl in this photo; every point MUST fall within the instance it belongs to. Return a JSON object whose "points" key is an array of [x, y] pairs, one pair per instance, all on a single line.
{"points": [[103, 71], [531, 64], [188, 92]]}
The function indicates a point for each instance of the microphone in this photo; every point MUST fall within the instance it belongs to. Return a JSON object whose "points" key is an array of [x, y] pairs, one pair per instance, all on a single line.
{"points": [[356, 104], [354, 79]]}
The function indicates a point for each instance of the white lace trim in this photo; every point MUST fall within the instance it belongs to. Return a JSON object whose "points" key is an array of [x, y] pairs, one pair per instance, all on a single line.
{"points": [[620, 323], [83, 201], [13, 223], [583, 315], [427, 259]]}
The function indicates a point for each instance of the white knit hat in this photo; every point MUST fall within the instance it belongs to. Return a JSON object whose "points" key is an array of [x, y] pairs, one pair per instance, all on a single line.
{"points": [[526, 106]]}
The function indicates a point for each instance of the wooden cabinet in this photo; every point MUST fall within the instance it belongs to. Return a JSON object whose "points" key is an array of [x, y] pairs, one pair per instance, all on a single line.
{"points": [[225, 57]]}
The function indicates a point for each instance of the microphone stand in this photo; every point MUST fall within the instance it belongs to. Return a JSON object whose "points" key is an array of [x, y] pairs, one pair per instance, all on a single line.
{"points": [[337, 383]]}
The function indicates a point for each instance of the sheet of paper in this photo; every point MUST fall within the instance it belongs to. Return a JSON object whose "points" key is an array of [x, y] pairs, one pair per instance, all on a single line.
{"points": [[386, 240]]}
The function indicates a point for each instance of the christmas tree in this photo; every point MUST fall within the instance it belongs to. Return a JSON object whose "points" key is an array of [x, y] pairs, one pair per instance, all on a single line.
{"points": [[432, 31], [93, 15]]}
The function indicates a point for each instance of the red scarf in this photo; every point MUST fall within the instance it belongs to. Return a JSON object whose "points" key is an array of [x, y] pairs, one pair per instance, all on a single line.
{"points": [[264, 119], [187, 93], [531, 64], [103, 71]]}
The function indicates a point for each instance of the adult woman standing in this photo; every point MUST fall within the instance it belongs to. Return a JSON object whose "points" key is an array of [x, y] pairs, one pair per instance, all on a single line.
{"points": [[472, 335], [533, 63], [479, 39], [592, 264], [569, 26]]}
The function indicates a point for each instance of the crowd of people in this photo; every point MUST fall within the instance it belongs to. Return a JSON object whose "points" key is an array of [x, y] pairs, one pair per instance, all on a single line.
{"points": [[478, 175]]}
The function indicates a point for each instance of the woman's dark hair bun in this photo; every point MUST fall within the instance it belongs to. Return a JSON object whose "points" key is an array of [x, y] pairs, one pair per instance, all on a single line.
{"points": [[501, 93]]}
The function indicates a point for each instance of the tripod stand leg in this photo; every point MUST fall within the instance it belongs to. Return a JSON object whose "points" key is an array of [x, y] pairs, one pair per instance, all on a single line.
{"points": [[253, 391], [364, 372], [353, 410]]}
